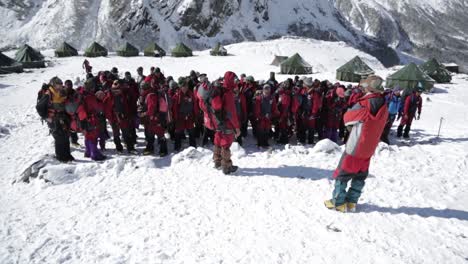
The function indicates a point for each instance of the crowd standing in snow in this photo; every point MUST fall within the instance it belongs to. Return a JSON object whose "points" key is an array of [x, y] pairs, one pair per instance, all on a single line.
{"points": [[218, 111]]}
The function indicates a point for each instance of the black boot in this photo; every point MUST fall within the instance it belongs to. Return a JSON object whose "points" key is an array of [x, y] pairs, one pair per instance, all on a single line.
{"points": [[118, 144], [399, 131], [310, 136], [192, 140], [74, 138], [178, 141], [284, 138], [149, 137], [244, 129], [162, 147], [384, 136], [407, 130], [239, 140]]}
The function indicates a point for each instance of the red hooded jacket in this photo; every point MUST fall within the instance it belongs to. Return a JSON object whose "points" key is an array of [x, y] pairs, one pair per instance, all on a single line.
{"points": [[367, 118], [225, 103], [184, 109]]}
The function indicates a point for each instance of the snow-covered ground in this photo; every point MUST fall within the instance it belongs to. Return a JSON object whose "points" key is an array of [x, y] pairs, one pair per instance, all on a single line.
{"points": [[177, 209]]}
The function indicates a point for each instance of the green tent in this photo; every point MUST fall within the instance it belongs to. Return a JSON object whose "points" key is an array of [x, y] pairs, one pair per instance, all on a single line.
{"points": [[278, 60], [452, 67], [409, 77], [95, 50], [295, 65], [354, 71], [66, 50], [128, 50], [181, 51], [153, 50], [218, 50], [436, 71], [9, 65], [29, 57]]}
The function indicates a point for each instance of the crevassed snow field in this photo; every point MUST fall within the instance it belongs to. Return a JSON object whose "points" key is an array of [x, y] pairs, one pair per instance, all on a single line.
{"points": [[177, 209]]}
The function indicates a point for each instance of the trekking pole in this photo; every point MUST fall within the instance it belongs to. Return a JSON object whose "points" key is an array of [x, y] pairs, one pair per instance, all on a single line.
{"points": [[440, 126]]}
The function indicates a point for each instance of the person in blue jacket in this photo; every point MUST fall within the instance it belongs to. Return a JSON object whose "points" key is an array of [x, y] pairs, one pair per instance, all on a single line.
{"points": [[393, 100]]}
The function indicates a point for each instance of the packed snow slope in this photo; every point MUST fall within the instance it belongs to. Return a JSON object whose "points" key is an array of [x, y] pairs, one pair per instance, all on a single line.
{"points": [[178, 209]]}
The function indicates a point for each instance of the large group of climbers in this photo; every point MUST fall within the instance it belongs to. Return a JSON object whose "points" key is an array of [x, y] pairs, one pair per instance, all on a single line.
{"points": [[193, 107]]}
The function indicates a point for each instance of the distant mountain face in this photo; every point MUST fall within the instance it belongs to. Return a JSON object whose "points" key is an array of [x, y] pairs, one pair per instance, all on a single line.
{"points": [[425, 28], [200, 24]]}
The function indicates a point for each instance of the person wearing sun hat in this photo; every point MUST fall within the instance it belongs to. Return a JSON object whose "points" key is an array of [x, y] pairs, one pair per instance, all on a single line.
{"points": [[366, 121]]}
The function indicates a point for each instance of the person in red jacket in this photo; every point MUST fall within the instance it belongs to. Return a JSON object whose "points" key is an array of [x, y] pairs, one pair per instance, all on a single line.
{"points": [[284, 108], [105, 83], [296, 104], [265, 112], [205, 89], [336, 105], [87, 67], [226, 123], [103, 133], [184, 107], [156, 78], [88, 114], [117, 110], [132, 91], [241, 109], [412, 104], [310, 109], [153, 110], [356, 93], [248, 90], [366, 120], [71, 105]]}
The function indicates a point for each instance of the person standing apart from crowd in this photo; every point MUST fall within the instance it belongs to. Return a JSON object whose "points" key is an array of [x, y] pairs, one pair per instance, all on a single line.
{"points": [[411, 105], [366, 120], [393, 100]]}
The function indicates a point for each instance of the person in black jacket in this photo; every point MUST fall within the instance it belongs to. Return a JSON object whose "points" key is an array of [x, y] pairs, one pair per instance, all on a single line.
{"points": [[51, 108]]}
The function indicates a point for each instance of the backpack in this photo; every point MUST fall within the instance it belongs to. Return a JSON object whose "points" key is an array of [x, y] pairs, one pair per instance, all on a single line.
{"points": [[206, 95]]}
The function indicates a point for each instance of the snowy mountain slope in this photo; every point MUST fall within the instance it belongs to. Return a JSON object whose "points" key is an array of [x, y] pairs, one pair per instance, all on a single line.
{"points": [[437, 28], [178, 209], [45, 23]]}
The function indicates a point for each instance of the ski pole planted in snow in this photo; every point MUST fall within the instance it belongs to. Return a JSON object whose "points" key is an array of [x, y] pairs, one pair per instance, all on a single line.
{"points": [[440, 126]]}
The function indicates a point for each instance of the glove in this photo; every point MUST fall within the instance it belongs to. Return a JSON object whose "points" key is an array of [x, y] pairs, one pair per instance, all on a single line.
{"points": [[419, 116]]}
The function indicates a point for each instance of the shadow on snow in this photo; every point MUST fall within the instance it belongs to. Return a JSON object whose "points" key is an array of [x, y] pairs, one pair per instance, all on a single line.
{"points": [[299, 172], [424, 212]]}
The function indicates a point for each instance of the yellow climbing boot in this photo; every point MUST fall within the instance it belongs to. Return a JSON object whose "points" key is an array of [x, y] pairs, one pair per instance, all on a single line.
{"points": [[351, 207], [331, 205]]}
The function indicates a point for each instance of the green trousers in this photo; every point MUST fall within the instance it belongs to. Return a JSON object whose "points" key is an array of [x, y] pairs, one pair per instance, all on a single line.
{"points": [[341, 196]]}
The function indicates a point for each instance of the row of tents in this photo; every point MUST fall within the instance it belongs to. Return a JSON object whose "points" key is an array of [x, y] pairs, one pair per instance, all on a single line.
{"points": [[411, 76], [28, 57], [128, 50]]}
